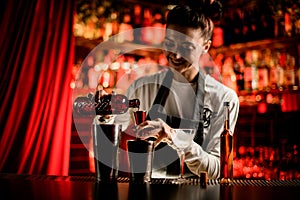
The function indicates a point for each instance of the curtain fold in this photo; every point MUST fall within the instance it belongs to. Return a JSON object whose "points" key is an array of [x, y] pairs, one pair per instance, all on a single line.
{"points": [[36, 99]]}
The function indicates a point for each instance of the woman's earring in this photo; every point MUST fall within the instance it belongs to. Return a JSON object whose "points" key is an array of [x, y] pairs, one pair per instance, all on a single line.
{"points": [[207, 46]]}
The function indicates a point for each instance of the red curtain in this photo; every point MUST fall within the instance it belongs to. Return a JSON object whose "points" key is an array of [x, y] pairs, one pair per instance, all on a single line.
{"points": [[37, 54]]}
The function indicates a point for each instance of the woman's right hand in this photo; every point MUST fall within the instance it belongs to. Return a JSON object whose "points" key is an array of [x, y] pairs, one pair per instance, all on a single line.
{"points": [[157, 129]]}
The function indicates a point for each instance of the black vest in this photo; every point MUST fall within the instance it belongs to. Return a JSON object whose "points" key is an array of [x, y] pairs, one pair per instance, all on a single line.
{"points": [[163, 153]]}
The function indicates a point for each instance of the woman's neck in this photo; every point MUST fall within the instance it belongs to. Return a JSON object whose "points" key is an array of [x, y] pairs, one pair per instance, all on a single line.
{"points": [[189, 75]]}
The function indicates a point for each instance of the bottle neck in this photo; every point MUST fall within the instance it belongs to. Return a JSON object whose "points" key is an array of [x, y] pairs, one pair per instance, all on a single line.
{"points": [[134, 103], [226, 125], [226, 117]]}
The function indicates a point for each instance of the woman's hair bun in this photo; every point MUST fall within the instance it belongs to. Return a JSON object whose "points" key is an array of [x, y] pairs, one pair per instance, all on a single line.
{"points": [[210, 8]]}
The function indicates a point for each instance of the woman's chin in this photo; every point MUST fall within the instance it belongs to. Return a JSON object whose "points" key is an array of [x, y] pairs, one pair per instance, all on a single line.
{"points": [[180, 68]]}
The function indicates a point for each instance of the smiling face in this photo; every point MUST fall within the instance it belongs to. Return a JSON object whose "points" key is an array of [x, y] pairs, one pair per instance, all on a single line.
{"points": [[183, 46]]}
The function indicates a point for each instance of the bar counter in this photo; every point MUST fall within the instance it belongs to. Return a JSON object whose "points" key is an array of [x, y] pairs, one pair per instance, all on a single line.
{"points": [[13, 186]]}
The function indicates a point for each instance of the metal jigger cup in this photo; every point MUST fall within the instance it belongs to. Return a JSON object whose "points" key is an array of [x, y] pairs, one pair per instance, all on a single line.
{"points": [[139, 116]]}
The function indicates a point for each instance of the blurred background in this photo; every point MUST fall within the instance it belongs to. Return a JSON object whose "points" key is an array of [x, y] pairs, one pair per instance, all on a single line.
{"points": [[51, 55]]}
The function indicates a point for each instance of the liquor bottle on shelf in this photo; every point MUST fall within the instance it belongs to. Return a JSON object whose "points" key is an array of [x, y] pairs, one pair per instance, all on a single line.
{"points": [[226, 140], [289, 72], [279, 23], [298, 77], [250, 72], [228, 75], [263, 76], [276, 74], [108, 104], [239, 71]]}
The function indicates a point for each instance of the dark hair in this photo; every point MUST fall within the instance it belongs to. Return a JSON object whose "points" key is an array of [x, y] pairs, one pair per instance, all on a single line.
{"points": [[196, 14]]}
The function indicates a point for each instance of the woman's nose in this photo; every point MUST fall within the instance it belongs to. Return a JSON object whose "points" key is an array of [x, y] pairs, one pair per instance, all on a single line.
{"points": [[177, 54]]}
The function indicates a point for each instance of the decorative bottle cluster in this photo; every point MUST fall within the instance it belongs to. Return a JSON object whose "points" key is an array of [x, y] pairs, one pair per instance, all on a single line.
{"points": [[108, 104]]}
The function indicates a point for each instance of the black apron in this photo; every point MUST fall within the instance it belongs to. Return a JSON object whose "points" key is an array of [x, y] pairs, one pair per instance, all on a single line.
{"points": [[164, 154]]}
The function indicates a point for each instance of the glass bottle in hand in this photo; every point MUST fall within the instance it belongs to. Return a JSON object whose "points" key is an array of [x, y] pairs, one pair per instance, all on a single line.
{"points": [[108, 104]]}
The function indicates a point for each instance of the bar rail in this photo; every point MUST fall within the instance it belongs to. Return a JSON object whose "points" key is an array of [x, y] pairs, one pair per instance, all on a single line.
{"points": [[20, 186]]}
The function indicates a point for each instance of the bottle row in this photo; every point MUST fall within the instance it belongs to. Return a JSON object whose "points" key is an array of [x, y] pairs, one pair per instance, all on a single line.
{"points": [[253, 70], [256, 21], [259, 70], [111, 72]]}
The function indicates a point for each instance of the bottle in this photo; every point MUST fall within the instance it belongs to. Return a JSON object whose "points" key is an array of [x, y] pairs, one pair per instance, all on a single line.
{"points": [[298, 76], [290, 72], [229, 77], [226, 140], [250, 71], [263, 76], [108, 104], [239, 67], [276, 78]]}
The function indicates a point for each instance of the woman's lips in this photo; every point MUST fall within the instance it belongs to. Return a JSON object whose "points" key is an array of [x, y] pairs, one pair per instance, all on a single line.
{"points": [[176, 61]]}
